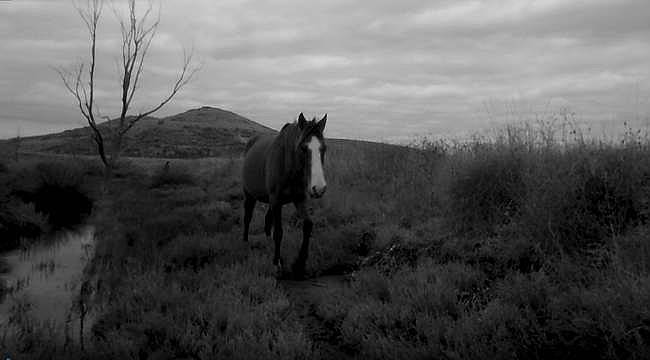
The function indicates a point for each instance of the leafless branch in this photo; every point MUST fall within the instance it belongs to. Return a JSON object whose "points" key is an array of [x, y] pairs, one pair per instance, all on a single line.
{"points": [[186, 74], [71, 82], [137, 33]]}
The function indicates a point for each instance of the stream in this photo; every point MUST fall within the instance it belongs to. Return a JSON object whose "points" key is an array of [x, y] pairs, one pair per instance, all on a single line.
{"points": [[41, 282]]}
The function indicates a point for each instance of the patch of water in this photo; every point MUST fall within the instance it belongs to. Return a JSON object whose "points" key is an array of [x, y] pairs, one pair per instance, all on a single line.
{"points": [[42, 281]]}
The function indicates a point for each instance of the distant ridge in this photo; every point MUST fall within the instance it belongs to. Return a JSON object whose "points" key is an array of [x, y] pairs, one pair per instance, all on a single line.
{"points": [[201, 132]]}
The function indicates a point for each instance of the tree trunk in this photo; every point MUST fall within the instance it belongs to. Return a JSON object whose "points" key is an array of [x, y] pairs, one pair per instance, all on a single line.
{"points": [[117, 149]]}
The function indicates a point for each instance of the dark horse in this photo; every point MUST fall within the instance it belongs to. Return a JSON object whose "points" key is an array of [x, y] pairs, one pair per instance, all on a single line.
{"points": [[282, 169]]}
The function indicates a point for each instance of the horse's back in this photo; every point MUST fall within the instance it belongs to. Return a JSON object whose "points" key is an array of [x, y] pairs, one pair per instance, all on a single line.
{"points": [[254, 169]]}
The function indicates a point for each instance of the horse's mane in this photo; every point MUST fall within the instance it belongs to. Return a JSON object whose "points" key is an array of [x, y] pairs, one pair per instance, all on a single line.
{"points": [[294, 126], [291, 133], [284, 134], [251, 142], [286, 143]]}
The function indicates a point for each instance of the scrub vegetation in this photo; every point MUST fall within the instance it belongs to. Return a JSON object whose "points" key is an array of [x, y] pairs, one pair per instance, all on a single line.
{"points": [[38, 196], [530, 243]]}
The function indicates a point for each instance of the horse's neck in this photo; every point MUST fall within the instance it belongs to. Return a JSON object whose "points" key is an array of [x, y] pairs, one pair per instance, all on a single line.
{"points": [[292, 168]]}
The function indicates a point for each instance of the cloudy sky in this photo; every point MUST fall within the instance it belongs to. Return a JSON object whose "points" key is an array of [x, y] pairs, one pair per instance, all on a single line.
{"points": [[382, 69]]}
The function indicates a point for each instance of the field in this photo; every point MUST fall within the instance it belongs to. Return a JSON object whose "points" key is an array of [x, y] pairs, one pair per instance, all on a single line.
{"points": [[521, 245]]}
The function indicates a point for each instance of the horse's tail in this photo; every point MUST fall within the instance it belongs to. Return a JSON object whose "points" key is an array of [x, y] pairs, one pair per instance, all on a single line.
{"points": [[251, 142]]}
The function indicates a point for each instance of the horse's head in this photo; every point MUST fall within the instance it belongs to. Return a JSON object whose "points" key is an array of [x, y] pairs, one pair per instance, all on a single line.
{"points": [[312, 148]]}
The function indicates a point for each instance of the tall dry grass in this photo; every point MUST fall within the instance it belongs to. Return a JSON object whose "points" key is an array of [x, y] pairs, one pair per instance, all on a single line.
{"points": [[530, 242], [539, 252]]}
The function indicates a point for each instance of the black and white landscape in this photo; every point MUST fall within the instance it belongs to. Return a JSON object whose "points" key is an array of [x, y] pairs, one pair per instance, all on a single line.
{"points": [[481, 189]]}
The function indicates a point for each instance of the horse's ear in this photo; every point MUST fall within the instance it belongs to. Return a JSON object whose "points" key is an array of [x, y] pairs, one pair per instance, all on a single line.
{"points": [[301, 121], [321, 123]]}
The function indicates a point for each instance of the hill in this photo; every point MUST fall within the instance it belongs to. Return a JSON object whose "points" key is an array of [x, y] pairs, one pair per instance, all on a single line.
{"points": [[196, 133], [202, 132]]}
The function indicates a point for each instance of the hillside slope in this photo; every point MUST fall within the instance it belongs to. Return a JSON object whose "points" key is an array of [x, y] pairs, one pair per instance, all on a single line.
{"points": [[202, 132]]}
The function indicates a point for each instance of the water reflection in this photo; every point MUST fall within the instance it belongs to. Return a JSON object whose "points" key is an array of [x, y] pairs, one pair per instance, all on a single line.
{"points": [[42, 281]]}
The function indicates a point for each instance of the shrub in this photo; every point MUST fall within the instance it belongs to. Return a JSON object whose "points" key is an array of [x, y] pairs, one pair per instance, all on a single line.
{"points": [[583, 198], [450, 310], [58, 189], [60, 193], [632, 250], [567, 199], [172, 175], [382, 316], [499, 256], [18, 220], [486, 192]]}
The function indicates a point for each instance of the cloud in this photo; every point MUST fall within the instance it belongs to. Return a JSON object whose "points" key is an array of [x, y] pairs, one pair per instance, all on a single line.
{"points": [[415, 91], [295, 63], [484, 13], [381, 69]]}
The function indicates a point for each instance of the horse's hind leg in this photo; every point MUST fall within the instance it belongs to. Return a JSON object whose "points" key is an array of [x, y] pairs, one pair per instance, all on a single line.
{"points": [[249, 205], [307, 225], [277, 232], [268, 222]]}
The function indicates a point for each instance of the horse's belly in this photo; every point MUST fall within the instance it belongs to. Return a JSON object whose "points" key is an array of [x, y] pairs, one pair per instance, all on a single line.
{"points": [[254, 174], [258, 194], [255, 185]]}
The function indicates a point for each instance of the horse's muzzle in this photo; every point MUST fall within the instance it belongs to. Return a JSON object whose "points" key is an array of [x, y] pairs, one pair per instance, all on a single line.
{"points": [[316, 193]]}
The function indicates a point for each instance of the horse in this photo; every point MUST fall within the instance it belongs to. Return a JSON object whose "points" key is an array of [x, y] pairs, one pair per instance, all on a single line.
{"points": [[282, 169]]}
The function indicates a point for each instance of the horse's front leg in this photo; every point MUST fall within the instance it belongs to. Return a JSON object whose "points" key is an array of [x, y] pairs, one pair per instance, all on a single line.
{"points": [[249, 206], [307, 225]]}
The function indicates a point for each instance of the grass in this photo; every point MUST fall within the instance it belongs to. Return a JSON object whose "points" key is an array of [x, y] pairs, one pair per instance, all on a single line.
{"points": [[202, 292], [522, 245], [39, 196], [539, 254], [175, 176]]}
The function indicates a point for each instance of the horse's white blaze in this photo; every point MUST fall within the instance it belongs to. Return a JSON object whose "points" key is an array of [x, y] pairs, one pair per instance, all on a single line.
{"points": [[317, 178]]}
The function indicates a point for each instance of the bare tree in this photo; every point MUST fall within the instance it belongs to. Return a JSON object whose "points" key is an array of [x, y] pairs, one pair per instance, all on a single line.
{"points": [[16, 142], [137, 33]]}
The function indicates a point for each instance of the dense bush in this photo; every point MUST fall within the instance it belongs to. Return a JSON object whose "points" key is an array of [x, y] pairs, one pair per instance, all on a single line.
{"points": [[38, 196], [579, 199], [486, 191], [566, 200], [60, 190], [19, 220]]}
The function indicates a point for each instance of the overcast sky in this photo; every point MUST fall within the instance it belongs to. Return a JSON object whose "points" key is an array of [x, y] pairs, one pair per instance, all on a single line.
{"points": [[382, 69]]}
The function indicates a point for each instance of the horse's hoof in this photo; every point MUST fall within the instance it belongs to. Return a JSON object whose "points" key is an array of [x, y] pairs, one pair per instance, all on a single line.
{"points": [[298, 270], [299, 275], [279, 268]]}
